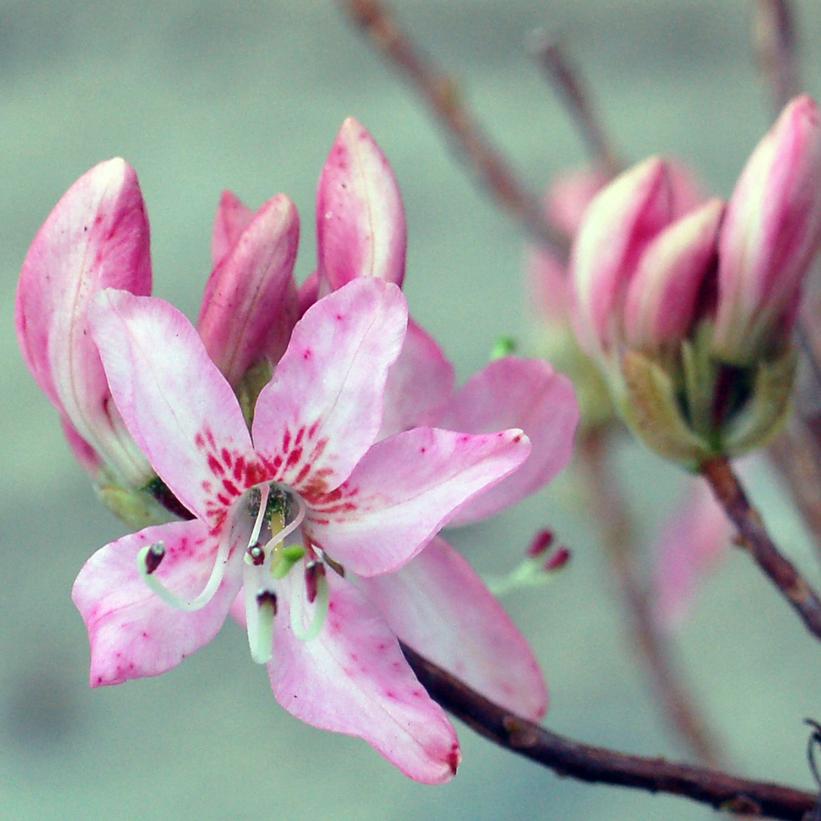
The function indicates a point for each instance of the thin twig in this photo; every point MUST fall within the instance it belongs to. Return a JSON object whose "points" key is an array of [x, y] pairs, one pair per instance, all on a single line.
{"points": [[617, 537], [782, 573], [441, 94], [572, 89], [774, 44], [599, 765]]}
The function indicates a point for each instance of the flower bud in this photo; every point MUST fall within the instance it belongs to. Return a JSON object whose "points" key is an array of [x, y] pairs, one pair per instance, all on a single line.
{"points": [[96, 237], [662, 296], [360, 218], [250, 302], [617, 227], [771, 234]]}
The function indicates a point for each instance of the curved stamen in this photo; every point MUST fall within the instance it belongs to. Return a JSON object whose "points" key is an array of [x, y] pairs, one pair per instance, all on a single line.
{"points": [[147, 563], [320, 612], [251, 557], [289, 528]]}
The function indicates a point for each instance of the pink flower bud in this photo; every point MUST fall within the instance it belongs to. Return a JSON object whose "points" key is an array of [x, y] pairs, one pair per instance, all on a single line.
{"points": [[662, 295], [96, 237], [618, 225], [360, 218], [770, 235], [250, 303], [569, 195]]}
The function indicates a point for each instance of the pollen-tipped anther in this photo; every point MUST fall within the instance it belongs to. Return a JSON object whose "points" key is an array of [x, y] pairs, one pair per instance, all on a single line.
{"points": [[154, 555]]}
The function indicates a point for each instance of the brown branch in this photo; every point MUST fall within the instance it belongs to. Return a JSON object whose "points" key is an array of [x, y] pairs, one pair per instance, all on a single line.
{"points": [[573, 91], [599, 765], [617, 537], [752, 533], [774, 45], [440, 93]]}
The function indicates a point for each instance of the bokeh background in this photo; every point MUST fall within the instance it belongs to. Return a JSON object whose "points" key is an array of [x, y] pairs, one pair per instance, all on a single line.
{"points": [[200, 96]]}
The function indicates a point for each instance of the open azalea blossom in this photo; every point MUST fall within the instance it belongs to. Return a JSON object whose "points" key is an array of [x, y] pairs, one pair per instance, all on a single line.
{"points": [[287, 517]]}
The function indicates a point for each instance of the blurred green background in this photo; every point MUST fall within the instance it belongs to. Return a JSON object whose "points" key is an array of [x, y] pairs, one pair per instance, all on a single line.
{"points": [[201, 96]]}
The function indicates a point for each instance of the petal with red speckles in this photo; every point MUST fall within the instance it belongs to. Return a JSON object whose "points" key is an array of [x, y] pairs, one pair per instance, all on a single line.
{"points": [[439, 605], [132, 632], [404, 490], [353, 679], [323, 408], [522, 393], [176, 404]]}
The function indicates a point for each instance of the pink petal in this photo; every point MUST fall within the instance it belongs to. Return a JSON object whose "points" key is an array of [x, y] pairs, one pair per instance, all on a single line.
{"points": [[250, 302], [439, 605], [419, 383], [323, 408], [771, 233], [690, 544], [354, 679], [520, 393], [133, 633], [617, 226], [232, 218], [83, 452], [177, 405], [360, 218], [405, 489], [661, 298], [97, 236]]}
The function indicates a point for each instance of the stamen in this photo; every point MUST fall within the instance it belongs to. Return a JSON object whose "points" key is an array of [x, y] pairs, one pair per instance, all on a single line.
{"points": [[320, 613], [148, 560], [333, 564], [263, 504], [284, 559]]}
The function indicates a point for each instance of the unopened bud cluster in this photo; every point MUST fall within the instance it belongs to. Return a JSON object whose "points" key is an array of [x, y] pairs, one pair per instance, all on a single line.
{"points": [[689, 308]]}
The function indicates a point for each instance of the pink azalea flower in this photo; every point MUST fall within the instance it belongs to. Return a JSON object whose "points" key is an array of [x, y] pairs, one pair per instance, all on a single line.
{"points": [[290, 514], [359, 207]]}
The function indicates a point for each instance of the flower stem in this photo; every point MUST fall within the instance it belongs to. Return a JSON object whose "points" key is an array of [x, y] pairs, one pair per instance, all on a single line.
{"points": [[616, 532], [600, 765], [754, 536]]}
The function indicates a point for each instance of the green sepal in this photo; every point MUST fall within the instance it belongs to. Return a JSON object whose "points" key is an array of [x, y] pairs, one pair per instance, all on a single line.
{"points": [[651, 407], [250, 386], [137, 508], [767, 408]]}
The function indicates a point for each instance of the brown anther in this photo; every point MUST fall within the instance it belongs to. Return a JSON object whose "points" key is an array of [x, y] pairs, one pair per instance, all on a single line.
{"points": [[334, 565], [267, 597], [154, 556], [257, 554]]}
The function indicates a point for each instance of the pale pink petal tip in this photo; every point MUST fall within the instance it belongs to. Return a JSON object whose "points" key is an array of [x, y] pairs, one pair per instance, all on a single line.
{"points": [[359, 214], [231, 219]]}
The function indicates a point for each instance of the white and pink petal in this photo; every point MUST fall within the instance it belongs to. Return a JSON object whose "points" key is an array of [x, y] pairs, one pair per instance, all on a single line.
{"points": [[353, 679], [438, 605], [133, 633], [405, 489], [323, 408], [178, 407]]}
